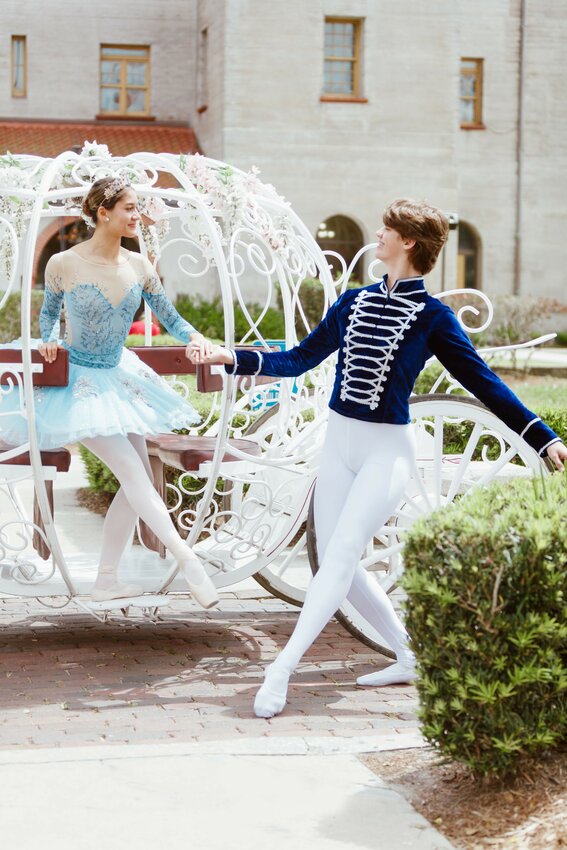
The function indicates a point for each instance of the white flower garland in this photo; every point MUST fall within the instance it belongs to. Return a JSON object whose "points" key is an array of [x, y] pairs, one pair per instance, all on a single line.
{"points": [[234, 199]]}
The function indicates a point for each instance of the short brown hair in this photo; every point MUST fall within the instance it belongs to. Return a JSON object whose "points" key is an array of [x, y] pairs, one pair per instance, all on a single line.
{"points": [[96, 197], [420, 221]]}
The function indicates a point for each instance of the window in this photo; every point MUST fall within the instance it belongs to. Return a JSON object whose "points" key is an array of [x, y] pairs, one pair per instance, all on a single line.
{"points": [[124, 80], [471, 92], [343, 235], [18, 66], [202, 70], [468, 262], [341, 76]]}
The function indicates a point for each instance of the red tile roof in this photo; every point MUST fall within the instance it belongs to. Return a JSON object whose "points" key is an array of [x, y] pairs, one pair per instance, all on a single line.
{"points": [[52, 138]]}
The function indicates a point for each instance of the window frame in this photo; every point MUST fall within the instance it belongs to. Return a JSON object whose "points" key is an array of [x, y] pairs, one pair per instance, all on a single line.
{"points": [[123, 86], [356, 95], [203, 70], [23, 92], [478, 98]]}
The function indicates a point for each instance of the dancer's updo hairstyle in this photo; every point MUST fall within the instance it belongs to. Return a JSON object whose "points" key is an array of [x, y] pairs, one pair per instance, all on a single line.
{"points": [[96, 197]]}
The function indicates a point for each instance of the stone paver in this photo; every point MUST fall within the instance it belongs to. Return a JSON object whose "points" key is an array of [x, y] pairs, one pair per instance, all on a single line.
{"points": [[68, 680], [144, 797]]}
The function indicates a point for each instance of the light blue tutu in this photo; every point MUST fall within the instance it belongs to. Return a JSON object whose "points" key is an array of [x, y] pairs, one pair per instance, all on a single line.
{"points": [[129, 398]]}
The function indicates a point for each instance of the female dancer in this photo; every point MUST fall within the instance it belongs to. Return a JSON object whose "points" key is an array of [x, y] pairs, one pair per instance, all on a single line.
{"points": [[112, 400], [385, 333]]}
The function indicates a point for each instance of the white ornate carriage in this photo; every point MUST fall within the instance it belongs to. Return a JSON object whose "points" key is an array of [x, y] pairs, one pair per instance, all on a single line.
{"points": [[250, 516]]}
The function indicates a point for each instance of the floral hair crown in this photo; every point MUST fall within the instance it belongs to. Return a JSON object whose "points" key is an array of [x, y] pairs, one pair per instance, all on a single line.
{"points": [[116, 186]]}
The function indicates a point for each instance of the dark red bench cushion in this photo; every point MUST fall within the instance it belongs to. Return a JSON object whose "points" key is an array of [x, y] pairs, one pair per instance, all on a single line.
{"points": [[54, 374], [165, 359], [186, 452], [59, 458]]}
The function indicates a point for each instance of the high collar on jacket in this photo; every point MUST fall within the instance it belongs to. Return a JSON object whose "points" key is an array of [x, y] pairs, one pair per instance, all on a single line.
{"points": [[404, 286]]}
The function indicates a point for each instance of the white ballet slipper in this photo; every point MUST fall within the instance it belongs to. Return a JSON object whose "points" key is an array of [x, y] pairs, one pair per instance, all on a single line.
{"points": [[116, 591], [272, 696], [204, 591], [400, 673]]}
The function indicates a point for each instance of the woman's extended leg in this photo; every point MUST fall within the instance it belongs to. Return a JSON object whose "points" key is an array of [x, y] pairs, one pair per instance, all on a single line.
{"points": [[379, 459], [120, 520], [117, 532], [122, 458]]}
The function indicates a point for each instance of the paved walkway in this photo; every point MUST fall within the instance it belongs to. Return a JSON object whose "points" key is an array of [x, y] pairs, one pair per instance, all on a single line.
{"points": [[137, 733], [68, 680], [143, 733], [152, 797]]}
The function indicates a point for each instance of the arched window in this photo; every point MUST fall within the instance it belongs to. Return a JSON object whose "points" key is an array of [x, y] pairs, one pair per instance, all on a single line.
{"points": [[342, 235], [468, 268]]}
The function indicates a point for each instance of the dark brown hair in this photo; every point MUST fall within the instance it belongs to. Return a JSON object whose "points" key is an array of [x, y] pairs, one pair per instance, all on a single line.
{"points": [[96, 199], [422, 222]]}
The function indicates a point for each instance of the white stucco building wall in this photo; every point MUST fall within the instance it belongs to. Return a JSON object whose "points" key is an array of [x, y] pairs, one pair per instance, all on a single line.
{"points": [[351, 158], [247, 75]]}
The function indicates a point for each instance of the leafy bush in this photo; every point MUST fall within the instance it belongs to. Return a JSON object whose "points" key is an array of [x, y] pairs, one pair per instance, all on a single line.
{"points": [[518, 318], [312, 297], [427, 377], [10, 316], [133, 340], [557, 421], [208, 318], [99, 476], [486, 584]]}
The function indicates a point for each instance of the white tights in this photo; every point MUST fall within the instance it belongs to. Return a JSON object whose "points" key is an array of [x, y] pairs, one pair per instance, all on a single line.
{"points": [[127, 458], [364, 470]]}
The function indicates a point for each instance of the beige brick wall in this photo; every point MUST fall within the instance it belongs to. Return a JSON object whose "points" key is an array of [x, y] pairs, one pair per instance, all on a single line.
{"points": [[264, 75], [209, 123], [342, 158], [63, 44], [544, 196], [351, 159]]}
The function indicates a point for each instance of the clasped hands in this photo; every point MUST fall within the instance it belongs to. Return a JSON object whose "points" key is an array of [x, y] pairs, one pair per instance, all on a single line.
{"points": [[201, 351]]}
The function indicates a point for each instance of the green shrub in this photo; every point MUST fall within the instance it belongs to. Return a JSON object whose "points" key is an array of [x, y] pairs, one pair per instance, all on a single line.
{"points": [[10, 316], [557, 421], [99, 476], [427, 377], [160, 339], [312, 297], [486, 585], [208, 318]]}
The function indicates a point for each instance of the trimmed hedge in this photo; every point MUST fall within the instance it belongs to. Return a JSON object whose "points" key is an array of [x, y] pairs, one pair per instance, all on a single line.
{"points": [[208, 318], [10, 316], [486, 580]]}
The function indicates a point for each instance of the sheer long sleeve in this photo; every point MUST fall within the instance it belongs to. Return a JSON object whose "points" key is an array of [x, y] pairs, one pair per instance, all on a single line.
{"points": [[52, 302], [154, 295]]}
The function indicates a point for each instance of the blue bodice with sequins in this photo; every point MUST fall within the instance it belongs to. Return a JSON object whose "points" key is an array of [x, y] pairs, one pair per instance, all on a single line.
{"points": [[95, 327]]}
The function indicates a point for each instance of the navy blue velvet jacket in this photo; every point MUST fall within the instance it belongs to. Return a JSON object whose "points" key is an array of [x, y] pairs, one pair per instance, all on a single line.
{"points": [[384, 338]]}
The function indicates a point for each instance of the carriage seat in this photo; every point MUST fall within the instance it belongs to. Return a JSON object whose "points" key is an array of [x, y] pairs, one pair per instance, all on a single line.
{"points": [[54, 374], [57, 460], [188, 455]]}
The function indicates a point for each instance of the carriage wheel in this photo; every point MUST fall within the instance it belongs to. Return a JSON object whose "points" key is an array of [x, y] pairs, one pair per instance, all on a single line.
{"points": [[492, 452]]}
